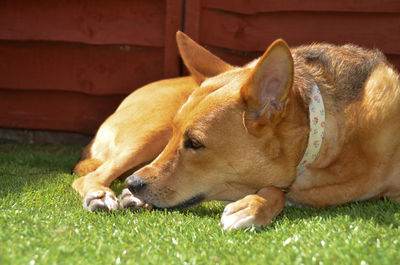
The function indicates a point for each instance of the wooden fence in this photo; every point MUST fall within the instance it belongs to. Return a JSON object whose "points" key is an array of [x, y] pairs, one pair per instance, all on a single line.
{"points": [[66, 64]]}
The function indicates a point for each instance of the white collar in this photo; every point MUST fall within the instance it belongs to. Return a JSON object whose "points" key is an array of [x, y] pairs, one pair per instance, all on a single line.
{"points": [[317, 130]]}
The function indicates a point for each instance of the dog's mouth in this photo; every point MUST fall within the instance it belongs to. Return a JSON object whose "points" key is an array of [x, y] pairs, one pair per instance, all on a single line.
{"points": [[185, 204]]}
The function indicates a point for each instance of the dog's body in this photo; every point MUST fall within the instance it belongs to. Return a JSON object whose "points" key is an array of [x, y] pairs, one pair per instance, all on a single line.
{"points": [[242, 133]]}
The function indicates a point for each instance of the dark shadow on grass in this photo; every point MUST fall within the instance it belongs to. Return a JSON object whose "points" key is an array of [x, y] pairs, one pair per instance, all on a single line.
{"points": [[208, 210], [204, 211]]}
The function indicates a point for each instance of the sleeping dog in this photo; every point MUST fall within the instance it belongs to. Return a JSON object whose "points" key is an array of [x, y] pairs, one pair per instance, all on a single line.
{"points": [[316, 125]]}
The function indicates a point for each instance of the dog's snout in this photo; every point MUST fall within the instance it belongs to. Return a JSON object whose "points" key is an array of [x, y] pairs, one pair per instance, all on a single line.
{"points": [[135, 183]]}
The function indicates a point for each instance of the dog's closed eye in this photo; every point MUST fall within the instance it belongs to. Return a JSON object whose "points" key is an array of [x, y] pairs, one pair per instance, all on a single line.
{"points": [[192, 144]]}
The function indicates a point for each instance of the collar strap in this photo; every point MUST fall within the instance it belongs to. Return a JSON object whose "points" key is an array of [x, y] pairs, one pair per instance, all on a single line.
{"points": [[317, 130]]}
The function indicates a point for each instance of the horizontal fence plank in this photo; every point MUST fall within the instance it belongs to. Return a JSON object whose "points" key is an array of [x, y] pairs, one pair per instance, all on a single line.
{"points": [[133, 22], [257, 6], [234, 57], [97, 70], [63, 111], [256, 32]]}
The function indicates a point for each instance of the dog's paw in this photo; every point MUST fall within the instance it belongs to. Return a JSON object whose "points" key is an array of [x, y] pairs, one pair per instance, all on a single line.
{"points": [[254, 209], [237, 217], [101, 201], [128, 200]]}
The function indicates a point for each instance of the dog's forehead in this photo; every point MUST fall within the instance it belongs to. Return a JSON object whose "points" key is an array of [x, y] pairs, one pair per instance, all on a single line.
{"points": [[201, 113], [214, 96], [223, 79]]}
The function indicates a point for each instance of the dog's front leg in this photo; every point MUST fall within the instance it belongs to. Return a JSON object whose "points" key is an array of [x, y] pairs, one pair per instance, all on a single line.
{"points": [[94, 187], [255, 209]]}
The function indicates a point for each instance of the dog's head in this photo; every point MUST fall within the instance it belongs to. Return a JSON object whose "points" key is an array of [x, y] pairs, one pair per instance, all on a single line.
{"points": [[232, 137]]}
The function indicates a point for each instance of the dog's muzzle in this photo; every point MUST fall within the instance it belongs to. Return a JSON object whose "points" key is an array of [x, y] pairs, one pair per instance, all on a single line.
{"points": [[135, 184]]}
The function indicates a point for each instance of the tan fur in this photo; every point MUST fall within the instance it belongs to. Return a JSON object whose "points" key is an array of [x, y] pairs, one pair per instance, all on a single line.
{"points": [[252, 123]]}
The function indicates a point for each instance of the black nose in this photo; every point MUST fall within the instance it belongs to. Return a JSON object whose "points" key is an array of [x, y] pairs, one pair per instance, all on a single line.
{"points": [[135, 184]]}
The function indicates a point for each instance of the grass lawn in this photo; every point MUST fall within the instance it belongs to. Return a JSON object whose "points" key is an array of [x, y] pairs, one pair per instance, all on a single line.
{"points": [[42, 222]]}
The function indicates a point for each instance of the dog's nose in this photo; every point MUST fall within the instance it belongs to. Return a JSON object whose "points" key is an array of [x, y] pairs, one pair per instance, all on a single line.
{"points": [[135, 184]]}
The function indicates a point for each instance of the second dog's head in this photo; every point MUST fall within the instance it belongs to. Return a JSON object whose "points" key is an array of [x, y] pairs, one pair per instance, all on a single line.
{"points": [[232, 137]]}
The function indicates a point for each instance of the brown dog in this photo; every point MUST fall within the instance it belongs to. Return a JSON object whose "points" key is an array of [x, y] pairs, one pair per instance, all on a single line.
{"points": [[248, 134]]}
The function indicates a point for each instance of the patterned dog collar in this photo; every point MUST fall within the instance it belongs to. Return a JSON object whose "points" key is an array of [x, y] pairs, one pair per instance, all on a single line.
{"points": [[317, 130]]}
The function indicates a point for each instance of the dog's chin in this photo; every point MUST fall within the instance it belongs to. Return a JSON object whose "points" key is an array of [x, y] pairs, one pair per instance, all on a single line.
{"points": [[197, 199]]}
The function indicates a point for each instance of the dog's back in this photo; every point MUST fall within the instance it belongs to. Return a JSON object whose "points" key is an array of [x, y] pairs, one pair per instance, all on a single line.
{"points": [[340, 71]]}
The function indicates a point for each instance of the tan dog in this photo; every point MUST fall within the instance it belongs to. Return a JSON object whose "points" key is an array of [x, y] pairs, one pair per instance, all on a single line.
{"points": [[242, 136], [134, 135]]}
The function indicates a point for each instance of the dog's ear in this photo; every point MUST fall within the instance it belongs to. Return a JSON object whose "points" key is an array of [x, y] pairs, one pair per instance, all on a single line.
{"points": [[201, 63], [266, 92]]}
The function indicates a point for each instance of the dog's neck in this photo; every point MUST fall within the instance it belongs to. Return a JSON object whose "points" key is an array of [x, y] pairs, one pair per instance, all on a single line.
{"points": [[317, 130]]}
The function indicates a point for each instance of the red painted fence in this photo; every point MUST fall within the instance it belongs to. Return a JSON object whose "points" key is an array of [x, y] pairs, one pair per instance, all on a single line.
{"points": [[65, 65]]}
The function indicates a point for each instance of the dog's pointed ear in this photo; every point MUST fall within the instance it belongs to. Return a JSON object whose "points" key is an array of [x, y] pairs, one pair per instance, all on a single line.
{"points": [[266, 92], [201, 63]]}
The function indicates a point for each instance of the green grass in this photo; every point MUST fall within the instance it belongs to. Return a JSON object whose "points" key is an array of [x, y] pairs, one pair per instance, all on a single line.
{"points": [[42, 222]]}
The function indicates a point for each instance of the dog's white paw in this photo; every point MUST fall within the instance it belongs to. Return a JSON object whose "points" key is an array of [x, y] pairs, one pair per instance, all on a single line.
{"points": [[128, 200], [236, 218], [101, 200]]}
